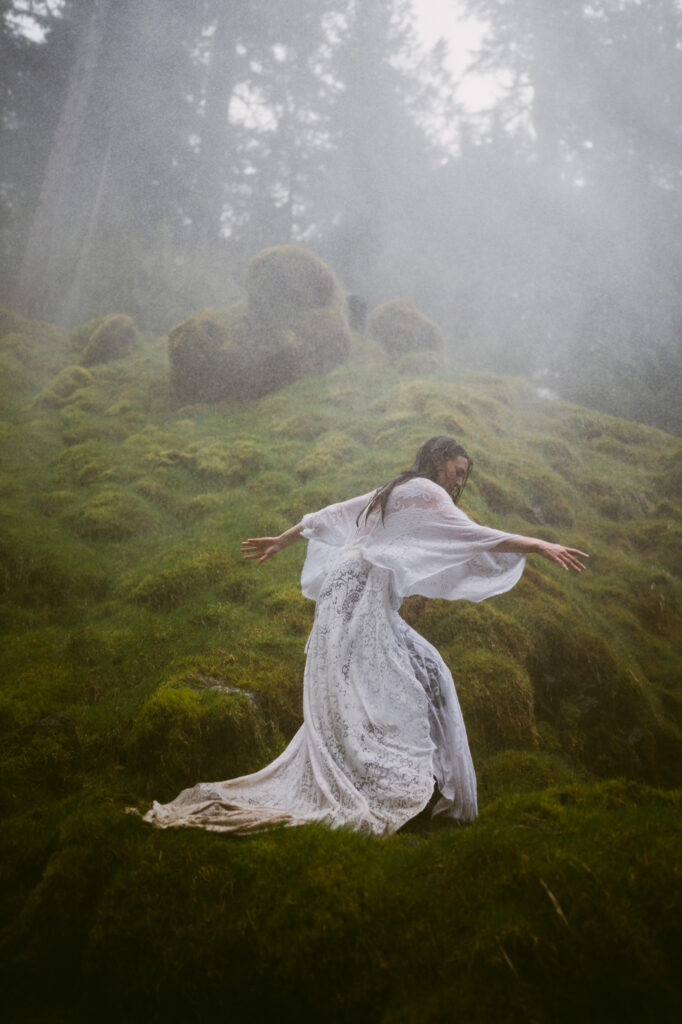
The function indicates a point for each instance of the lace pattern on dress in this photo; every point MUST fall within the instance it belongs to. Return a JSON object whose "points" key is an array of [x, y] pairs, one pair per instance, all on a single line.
{"points": [[380, 713]]}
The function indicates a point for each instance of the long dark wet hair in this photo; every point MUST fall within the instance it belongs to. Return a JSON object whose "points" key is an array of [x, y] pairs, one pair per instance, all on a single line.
{"points": [[425, 464]]}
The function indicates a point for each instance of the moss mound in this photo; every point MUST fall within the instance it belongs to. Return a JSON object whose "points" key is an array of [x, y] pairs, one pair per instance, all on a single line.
{"points": [[197, 727], [113, 515], [292, 326], [401, 328], [106, 338], [65, 384], [286, 279]]}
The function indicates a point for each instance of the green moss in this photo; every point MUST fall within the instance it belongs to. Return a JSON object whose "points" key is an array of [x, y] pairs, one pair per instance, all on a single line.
{"points": [[417, 363], [240, 353], [77, 426], [209, 355], [322, 339], [36, 577], [15, 375], [550, 499], [156, 490], [173, 660], [606, 718], [306, 426], [68, 380], [286, 279], [290, 609], [87, 459], [232, 463], [498, 497], [111, 338], [166, 588], [113, 515], [200, 506], [332, 449], [184, 734], [55, 503], [80, 335], [400, 328], [497, 702], [522, 771]]}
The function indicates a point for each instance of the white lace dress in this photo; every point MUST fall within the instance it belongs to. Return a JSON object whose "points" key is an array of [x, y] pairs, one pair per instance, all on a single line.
{"points": [[381, 719]]}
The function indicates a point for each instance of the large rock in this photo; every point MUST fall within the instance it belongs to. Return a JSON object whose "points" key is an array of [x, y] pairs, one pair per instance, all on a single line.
{"points": [[400, 328], [106, 338], [287, 279], [292, 325]]}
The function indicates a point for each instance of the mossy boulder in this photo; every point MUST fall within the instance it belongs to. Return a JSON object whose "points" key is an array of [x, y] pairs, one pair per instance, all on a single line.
{"points": [[286, 279], [209, 355], [323, 338], [293, 325], [601, 713], [400, 328], [61, 388], [105, 338], [497, 702], [195, 728]]}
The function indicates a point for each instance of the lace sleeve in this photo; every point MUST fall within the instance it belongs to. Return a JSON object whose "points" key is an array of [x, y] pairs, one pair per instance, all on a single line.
{"points": [[435, 550], [336, 524], [327, 531]]}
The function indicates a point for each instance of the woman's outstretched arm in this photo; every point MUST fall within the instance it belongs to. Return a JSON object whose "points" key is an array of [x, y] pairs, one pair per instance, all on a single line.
{"points": [[263, 548], [567, 558]]}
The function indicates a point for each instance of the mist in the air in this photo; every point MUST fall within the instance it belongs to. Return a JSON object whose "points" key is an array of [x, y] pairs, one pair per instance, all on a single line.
{"points": [[151, 149]]}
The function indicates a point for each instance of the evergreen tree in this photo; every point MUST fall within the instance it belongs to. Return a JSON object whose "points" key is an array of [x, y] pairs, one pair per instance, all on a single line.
{"points": [[593, 115], [383, 152]]}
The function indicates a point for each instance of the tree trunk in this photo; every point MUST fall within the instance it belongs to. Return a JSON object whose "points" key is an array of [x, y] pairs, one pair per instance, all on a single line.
{"points": [[62, 213], [215, 135]]}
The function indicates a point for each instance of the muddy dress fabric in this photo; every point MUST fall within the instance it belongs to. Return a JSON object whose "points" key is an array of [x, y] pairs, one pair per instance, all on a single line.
{"points": [[381, 719]]}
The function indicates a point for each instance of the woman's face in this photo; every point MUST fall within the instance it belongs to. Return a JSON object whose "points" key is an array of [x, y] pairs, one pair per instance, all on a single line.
{"points": [[453, 472]]}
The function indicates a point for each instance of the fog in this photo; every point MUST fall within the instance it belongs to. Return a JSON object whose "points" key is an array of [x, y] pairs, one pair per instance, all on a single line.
{"points": [[150, 148]]}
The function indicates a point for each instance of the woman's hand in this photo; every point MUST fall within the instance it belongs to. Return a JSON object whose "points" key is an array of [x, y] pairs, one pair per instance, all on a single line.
{"points": [[263, 548], [567, 558]]}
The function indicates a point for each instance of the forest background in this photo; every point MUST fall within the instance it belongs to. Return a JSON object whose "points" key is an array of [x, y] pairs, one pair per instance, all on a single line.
{"points": [[149, 149]]}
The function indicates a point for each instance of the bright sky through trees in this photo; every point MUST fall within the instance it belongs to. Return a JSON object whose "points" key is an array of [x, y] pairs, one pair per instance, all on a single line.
{"points": [[436, 19]]}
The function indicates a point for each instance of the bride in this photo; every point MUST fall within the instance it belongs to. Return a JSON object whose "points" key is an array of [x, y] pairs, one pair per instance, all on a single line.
{"points": [[381, 719]]}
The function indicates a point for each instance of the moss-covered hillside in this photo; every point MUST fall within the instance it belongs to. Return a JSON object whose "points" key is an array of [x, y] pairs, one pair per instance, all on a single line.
{"points": [[140, 655]]}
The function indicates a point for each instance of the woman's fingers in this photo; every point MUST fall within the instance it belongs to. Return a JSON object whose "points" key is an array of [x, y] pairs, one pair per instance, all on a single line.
{"points": [[567, 558], [259, 547]]}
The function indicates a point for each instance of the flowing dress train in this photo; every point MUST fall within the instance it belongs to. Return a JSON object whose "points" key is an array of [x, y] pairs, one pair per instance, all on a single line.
{"points": [[381, 719]]}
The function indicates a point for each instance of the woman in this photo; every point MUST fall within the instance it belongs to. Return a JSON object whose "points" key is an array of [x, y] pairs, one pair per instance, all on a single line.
{"points": [[381, 716]]}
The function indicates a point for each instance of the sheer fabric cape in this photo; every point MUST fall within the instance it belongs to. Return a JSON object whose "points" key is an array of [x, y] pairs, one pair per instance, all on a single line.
{"points": [[381, 715]]}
